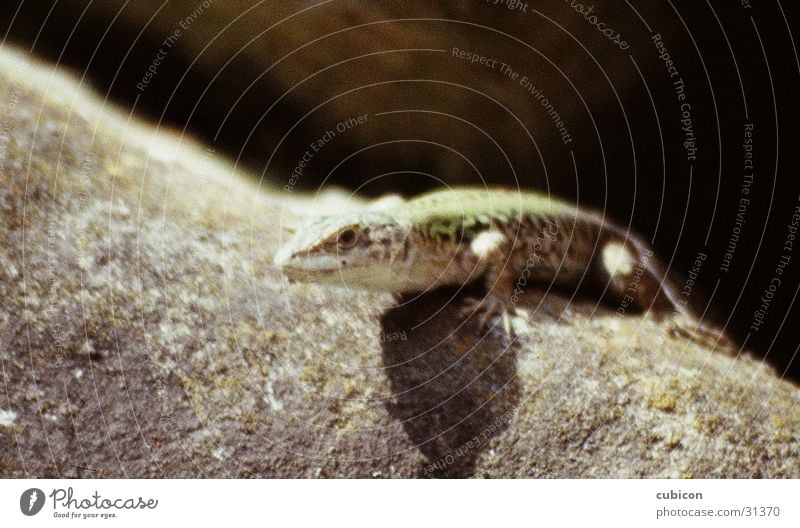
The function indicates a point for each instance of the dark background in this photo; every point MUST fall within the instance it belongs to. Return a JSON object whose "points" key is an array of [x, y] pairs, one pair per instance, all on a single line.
{"points": [[259, 82]]}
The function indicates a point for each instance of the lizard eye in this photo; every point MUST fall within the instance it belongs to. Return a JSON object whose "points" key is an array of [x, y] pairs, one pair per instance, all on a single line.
{"points": [[346, 239]]}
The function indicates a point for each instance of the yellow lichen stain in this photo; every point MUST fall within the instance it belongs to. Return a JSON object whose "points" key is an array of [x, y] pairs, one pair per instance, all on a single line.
{"points": [[781, 432], [196, 394], [663, 394], [708, 424], [777, 422], [257, 361], [226, 383], [313, 377], [663, 402], [351, 388], [251, 418]]}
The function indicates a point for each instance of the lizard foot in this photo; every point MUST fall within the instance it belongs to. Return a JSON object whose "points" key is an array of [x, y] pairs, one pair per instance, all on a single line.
{"points": [[705, 335], [493, 309]]}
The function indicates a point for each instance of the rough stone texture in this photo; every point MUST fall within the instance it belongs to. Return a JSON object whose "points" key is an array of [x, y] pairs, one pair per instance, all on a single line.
{"points": [[145, 333]]}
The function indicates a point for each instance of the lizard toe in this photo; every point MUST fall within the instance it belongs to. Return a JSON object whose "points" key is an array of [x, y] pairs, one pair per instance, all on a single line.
{"points": [[491, 311], [703, 334]]}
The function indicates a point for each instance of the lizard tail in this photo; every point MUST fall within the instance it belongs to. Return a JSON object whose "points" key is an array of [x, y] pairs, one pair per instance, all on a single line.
{"points": [[637, 279]]}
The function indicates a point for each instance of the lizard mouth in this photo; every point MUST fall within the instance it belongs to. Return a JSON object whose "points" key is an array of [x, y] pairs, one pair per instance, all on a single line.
{"points": [[300, 267], [283, 258]]}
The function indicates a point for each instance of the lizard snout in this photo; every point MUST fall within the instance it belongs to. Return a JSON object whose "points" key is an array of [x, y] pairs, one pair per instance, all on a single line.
{"points": [[283, 257]]}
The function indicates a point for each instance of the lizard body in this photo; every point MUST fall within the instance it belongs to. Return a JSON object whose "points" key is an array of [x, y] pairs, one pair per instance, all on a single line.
{"points": [[508, 239]]}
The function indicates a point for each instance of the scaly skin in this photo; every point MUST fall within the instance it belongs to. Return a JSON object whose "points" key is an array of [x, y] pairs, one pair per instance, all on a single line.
{"points": [[508, 239]]}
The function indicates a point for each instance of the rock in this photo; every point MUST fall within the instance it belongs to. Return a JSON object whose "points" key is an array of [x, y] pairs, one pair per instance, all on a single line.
{"points": [[145, 333]]}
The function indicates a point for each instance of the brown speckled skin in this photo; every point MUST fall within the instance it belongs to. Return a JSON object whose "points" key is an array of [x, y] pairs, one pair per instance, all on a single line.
{"points": [[457, 236], [555, 249], [511, 240]]}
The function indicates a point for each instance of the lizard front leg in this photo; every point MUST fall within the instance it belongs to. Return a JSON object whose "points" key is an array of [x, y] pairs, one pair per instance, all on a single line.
{"points": [[495, 253]]}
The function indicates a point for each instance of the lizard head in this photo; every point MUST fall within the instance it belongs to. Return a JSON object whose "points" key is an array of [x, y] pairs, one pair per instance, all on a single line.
{"points": [[358, 249]]}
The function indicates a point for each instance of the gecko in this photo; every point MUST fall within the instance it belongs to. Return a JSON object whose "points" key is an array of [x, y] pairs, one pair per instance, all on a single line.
{"points": [[507, 239]]}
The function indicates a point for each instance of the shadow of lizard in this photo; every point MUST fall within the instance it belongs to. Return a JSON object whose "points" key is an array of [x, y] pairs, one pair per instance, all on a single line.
{"points": [[453, 389]]}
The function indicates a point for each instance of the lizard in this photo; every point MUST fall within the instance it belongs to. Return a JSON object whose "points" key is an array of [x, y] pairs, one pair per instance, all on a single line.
{"points": [[508, 239]]}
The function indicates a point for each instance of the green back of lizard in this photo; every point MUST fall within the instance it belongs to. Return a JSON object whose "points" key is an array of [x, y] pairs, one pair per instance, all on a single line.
{"points": [[449, 213]]}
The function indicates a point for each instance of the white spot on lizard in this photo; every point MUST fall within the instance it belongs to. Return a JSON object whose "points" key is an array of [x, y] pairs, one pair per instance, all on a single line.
{"points": [[617, 259], [486, 243]]}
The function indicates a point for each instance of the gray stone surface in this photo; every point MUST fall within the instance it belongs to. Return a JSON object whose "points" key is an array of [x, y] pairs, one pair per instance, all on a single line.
{"points": [[145, 333]]}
